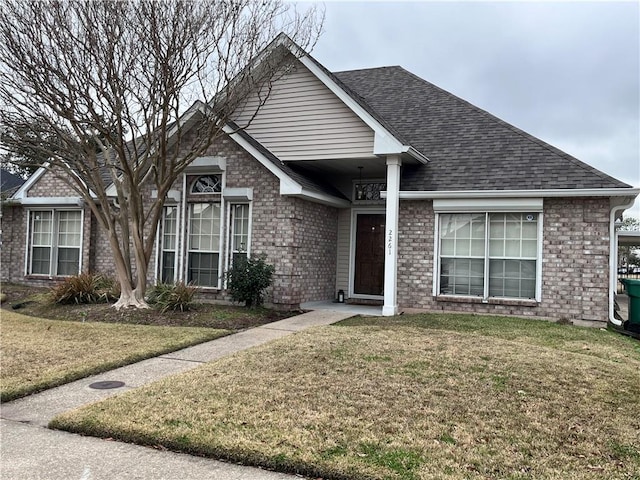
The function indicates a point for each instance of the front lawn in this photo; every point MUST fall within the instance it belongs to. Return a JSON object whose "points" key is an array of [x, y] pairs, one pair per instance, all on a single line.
{"points": [[412, 397], [39, 353]]}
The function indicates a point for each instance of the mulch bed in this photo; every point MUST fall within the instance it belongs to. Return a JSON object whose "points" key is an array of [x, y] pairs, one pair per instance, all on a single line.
{"points": [[30, 300]]}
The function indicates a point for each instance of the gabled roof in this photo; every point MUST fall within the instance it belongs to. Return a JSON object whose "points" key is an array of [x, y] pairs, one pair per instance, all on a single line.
{"points": [[310, 184], [469, 148]]}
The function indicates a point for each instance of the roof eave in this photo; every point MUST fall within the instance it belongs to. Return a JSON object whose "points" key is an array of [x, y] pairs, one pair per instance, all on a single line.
{"points": [[288, 186], [557, 192], [417, 155]]}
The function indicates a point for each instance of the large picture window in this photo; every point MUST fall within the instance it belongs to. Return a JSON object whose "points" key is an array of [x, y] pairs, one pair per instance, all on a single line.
{"points": [[204, 244], [55, 242], [488, 254]]}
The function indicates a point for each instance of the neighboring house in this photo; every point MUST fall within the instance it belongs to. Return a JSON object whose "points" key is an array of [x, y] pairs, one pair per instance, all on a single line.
{"points": [[374, 182], [9, 183]]}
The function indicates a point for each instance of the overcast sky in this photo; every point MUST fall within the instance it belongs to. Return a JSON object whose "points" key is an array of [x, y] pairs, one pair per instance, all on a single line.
{"points": [[566, 72]]}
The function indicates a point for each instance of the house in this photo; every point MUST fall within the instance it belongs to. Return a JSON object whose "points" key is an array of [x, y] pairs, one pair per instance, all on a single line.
{"points": [[9, 183], [373, 182]]}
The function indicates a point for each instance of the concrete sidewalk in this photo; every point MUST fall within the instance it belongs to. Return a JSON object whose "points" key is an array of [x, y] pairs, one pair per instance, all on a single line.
{"points": [[30, 451]]}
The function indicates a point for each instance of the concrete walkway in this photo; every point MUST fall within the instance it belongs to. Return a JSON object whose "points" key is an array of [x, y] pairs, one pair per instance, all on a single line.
{"points": [[28, 450]]}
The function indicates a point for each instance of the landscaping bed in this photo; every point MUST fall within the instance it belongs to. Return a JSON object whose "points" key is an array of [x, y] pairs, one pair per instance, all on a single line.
{"points": [[410, 397], [33, 301]]}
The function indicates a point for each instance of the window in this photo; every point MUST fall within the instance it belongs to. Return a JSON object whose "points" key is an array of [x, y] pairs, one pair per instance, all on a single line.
{"points": [[169, 244], [207, 184], [204, 244], [489, 254], [201, 236], [239, 230], [55, 242]]}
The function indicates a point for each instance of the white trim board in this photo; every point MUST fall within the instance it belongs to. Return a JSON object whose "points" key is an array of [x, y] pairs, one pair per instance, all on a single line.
{"points": [[52, 201], [384, 142], [352, 250], [488, 204], [559, 192], [288, 186], [29, 182]]}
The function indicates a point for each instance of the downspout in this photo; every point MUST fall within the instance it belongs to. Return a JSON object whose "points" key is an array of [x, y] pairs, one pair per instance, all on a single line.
{"points": [[613, 256]]}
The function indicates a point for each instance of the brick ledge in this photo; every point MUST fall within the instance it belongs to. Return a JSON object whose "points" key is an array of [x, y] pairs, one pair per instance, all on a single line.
{"points": [[491, 301]]}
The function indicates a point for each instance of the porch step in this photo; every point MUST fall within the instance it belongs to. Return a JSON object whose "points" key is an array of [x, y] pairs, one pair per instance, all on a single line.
{"points": [[363, 301]]}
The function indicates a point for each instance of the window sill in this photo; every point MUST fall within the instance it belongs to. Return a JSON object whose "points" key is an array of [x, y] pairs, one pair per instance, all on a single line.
{"points": [[35, 276], [491, 301], [208, 289]]}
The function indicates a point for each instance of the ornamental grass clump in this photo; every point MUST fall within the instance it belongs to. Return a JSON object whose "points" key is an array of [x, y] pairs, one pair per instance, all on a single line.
{"points": [[85, 288], [248, 278], [172, 296]]}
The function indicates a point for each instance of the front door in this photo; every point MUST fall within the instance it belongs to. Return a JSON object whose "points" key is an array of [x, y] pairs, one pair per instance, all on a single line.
{"points": [[369, 257]]}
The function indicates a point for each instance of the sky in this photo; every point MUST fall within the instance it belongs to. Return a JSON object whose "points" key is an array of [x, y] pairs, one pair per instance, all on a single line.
{"points": [[566, 72]]}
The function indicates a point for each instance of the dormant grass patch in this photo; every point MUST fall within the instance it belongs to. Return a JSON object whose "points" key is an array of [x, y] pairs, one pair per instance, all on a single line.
{"points": [[413, 397], [39, 353]]}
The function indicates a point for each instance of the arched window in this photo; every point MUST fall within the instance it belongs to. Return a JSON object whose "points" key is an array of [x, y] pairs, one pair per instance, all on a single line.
{"points": [[207, 184]]}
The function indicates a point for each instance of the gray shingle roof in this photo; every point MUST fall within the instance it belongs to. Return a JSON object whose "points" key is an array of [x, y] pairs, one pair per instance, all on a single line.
{"points": [[469, 148], [9, 182]]}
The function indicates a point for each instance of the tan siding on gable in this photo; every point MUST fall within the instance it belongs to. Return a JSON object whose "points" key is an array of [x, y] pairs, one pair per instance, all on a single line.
{"points": [[303, 120]]}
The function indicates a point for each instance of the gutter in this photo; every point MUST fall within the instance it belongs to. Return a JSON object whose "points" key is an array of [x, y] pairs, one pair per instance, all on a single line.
{"points": [[558, 192], [416, 154], [49, 201], [613, 256], [625, 198]]}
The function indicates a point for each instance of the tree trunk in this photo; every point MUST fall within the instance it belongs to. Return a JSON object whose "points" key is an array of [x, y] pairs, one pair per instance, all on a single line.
{"points": [[129, 297]]}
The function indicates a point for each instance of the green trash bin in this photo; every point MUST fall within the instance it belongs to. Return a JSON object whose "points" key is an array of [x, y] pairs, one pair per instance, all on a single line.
{"points": [[632, 286]]}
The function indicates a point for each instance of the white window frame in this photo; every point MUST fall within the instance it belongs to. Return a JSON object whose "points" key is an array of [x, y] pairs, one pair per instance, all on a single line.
{"points": [[220, 250], [53, 246], [230, 246], [219, 185], [537, 207], [160, 247]]}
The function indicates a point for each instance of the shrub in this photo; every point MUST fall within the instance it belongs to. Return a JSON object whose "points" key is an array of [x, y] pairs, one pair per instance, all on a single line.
{"points": [[172, 296], [86, 288], [248, 279]]}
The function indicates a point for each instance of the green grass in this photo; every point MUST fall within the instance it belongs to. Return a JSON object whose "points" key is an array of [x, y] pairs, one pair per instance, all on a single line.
{"points": [[38, 354], [409, 397]]}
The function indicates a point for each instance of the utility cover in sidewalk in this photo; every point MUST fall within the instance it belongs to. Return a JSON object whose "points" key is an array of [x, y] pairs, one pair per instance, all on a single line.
{"points": [[106, 384]]}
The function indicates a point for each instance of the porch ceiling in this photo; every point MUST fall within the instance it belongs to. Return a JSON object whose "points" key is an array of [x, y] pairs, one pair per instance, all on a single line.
{"points": [[372, 167], [345, 168]]}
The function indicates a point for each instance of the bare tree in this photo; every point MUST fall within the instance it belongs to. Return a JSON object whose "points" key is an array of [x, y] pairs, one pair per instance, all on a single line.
{"points": [[126, 94], [627, 253]]}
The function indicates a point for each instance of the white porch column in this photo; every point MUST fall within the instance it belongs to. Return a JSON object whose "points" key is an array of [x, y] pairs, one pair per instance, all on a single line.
{"points": [[390, 306]]}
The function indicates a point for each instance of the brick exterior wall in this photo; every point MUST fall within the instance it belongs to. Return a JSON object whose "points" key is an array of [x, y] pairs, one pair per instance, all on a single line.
{"points": [[300, 239], [48, 185], [14, 231], [297, 236], [575, 263], [13, 241]]}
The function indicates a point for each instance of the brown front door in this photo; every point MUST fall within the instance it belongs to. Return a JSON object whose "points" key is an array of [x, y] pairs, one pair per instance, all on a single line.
{"points": [[369, 265]]}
